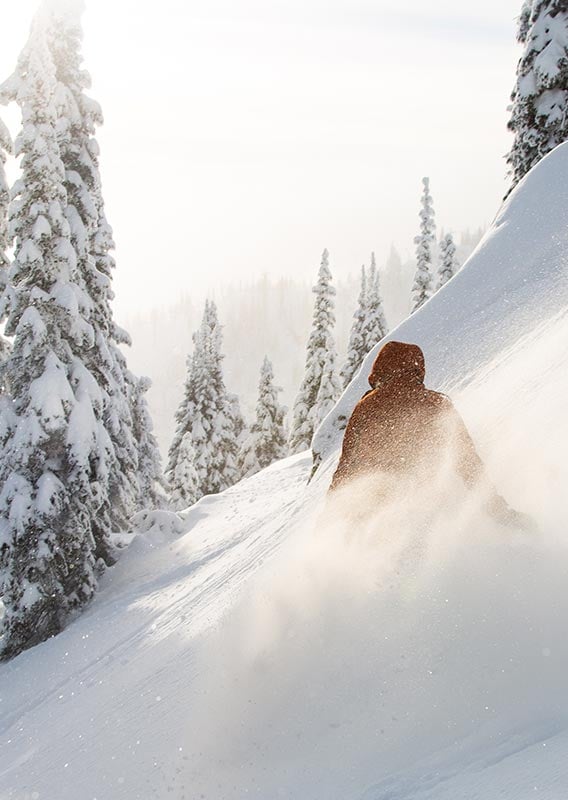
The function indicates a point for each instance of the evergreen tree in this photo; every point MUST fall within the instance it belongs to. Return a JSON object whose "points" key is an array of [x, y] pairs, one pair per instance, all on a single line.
{"points": [[5, 147], [448, 262], [329, 390], [123, 478], [50, 491], [422, 288], [77, 119], [223, 434], [320, 385], [182, 474], [152, 487], [376, 327], [206, 414], [93, 241], [356, 350], [194, 395], [539, 110], [239, 424], [266, 441], [184, 477]]}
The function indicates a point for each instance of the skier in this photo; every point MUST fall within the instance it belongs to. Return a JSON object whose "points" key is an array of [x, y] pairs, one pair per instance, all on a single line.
{"points": [[401, 429]]}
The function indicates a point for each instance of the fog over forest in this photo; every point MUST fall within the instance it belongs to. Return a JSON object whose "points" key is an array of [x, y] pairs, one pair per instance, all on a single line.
{"points": [[260, 317]]}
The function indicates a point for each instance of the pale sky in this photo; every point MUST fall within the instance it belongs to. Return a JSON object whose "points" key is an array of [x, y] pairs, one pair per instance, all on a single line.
{"points": [[244, 136]]}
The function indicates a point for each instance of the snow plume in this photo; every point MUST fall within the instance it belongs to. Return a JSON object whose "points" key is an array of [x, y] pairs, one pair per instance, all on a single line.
{"points": [[390, 631]]}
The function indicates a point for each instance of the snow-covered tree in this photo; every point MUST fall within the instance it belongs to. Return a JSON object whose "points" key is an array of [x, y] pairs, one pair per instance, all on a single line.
{"points": [[207, 415], [329, 390], [79, 116], [152, 487], [72, 423], [226, 422], [320, 386], [448, 262], [376, 327], [356, 350], [77, 119], [239, 423], [5, 147], [422, 288], [266, 441], [50, 482], [123, 477], [182, 473], [183, 476], [539, 109]]}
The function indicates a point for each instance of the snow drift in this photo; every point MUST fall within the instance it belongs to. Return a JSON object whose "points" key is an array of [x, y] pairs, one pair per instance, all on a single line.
{"points": [[276, 650]]}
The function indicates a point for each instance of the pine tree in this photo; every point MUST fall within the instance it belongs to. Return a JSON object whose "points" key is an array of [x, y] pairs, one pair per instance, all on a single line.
{"points": [[184, 477], [78, 116], [376, 327], [5, 147], [206, 414], [223, 434], [239, 423], [50, 490], [320, 385], [152, 487], [422, 288], [182, 473], [93, 241], [539, 110], [329, 390], [267, 440], [448, 262], [356, 351]]}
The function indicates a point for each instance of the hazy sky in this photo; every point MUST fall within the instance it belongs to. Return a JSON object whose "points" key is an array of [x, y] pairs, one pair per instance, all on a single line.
{"points": [[244, 136]]}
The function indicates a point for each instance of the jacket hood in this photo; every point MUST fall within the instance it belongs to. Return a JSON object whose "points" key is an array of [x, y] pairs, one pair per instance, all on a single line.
{"points": [[398, 360]]}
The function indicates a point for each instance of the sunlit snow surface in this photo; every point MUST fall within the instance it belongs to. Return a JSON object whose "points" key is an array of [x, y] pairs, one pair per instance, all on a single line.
{"points": [[280, 649]]}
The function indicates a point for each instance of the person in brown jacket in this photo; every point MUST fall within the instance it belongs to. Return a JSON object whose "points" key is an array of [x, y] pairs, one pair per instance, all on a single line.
{"points": [[401, 429]]}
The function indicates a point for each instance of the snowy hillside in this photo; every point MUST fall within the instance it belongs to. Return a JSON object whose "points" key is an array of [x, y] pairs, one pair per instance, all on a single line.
{"points": [[272, 652], [516, 279]]}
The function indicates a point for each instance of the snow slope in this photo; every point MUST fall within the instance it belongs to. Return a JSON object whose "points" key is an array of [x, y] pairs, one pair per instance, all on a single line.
{"points": [[516, 278], [278, 650]]}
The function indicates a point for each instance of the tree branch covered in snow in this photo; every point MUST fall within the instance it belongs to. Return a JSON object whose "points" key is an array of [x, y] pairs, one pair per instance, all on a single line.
{"points": [[540, 97]]}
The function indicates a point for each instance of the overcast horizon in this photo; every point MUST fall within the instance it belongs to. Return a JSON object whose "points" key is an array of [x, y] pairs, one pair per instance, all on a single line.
{"points": [[282, 128]]}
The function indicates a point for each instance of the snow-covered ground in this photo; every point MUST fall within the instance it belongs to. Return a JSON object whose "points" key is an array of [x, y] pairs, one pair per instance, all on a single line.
{"points": [[277, 649]]}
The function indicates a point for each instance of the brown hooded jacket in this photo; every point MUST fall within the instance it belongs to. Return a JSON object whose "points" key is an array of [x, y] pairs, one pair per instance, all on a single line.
{"points": [[402, 428]]}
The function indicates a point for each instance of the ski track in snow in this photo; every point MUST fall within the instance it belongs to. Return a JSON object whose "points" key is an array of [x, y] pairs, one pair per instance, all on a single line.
{"points": [[526, 766], [162, 586]]}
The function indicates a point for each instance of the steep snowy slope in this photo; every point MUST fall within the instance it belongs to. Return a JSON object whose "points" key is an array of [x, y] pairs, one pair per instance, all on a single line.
{"points": [[277, 651], [516, 278]]}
